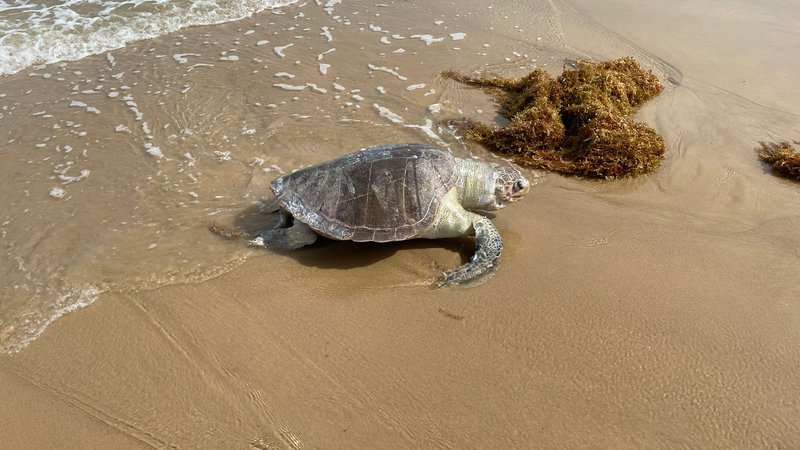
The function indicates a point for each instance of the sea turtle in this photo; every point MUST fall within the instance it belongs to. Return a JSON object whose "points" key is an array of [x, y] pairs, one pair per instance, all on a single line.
{"points": [[394, 193]]}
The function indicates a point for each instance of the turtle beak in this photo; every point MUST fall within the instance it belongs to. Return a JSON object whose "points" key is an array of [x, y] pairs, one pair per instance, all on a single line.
{"points": [[517, 190]]}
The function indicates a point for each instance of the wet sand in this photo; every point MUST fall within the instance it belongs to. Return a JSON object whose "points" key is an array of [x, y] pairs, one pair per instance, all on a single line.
{"points": [[660, 312]]}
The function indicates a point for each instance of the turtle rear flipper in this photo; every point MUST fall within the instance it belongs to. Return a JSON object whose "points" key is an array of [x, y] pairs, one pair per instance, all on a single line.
{"points": [[488, 247]]}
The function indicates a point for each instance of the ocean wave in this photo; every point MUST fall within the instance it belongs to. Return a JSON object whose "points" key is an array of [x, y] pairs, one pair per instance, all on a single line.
{"points": [[35, 32], [29, 325]]}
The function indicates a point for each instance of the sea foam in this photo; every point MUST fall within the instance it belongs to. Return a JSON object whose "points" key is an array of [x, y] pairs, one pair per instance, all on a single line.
{"points": [[37, 33]]}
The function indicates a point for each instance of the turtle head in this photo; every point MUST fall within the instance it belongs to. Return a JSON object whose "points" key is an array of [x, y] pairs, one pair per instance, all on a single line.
{"points": [[509, 185], [487, 186]]}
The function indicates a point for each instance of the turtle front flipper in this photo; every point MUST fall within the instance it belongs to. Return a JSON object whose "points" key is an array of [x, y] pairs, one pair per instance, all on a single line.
{"points": [[488, 247], [296, 236]]}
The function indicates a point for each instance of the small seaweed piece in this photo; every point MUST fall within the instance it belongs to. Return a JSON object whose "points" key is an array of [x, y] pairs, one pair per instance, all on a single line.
{"points": [[782, 157], [579, 124], [226, 231]]}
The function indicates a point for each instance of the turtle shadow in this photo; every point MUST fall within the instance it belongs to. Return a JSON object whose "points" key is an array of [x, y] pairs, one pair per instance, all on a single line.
{"points": [[332, 254]]}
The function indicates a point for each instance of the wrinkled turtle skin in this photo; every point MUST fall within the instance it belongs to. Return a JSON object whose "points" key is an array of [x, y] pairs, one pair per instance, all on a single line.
{"points": [[394, 193]]}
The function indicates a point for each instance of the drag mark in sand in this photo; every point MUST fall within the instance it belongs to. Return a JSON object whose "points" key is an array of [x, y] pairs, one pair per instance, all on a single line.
{"points": [[450, 315]]}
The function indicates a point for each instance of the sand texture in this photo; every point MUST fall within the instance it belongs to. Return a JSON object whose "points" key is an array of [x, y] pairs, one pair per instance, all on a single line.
{"points": [[652, 312]]}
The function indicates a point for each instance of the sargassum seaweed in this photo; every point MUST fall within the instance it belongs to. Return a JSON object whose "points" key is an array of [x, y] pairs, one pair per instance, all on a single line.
{"points": [[782, 157], [579, 124]]}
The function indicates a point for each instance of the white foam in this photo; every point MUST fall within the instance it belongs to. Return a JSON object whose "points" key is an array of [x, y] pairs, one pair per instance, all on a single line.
{"points": [[387, 70], [153, 151], [414, 87], [57, 192], [284, 75], [91, 109], [427, 38], [330, 4], [323, 68], [321, 55], [316, 88], [289, 87], [388, 114], [193, 66], [66, 179], [46, 32], [326, 32], [37, 323], [427, 128], [181, 57], [222, 156], [279, 50], [458, 36]]}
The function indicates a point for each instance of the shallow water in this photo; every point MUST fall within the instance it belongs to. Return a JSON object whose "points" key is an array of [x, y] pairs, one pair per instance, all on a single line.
{"points": [[114, 165]]}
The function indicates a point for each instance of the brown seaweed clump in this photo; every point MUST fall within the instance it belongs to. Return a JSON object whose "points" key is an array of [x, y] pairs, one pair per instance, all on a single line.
{"points": [[579, 124], [782, 157]]}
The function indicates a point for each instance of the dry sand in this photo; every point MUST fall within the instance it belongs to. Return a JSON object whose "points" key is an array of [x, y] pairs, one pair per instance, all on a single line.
{"points": [[653, 313]]}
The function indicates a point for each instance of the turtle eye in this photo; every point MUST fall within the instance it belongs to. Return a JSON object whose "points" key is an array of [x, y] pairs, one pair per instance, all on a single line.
{"points": [[519, 185]]}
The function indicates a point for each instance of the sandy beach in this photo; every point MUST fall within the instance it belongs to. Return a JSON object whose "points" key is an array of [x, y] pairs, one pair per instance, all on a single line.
{"points": [[657, 312]]}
